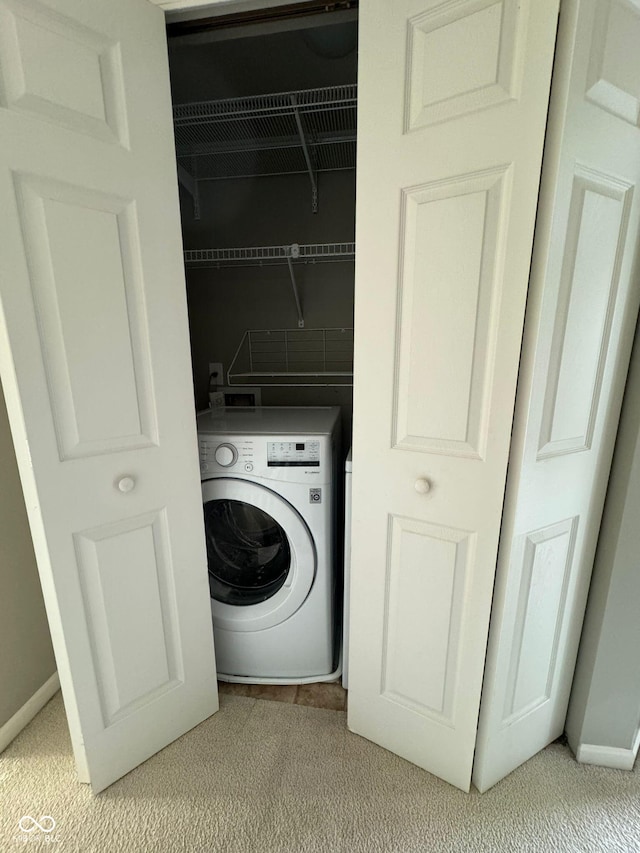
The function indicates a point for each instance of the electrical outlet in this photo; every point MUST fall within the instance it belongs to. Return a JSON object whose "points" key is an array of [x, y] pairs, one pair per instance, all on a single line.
{"points": [[215, 370]]}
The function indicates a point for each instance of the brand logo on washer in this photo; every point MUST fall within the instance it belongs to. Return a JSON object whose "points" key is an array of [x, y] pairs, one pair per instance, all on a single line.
{"points": [[315, 496]]}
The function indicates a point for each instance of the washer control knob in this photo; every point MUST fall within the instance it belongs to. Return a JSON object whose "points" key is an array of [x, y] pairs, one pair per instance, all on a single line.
{"points": [[226, 455]]}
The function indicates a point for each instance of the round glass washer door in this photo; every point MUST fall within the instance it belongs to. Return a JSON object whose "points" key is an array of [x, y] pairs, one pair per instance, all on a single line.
{"points": [[261, 556]]}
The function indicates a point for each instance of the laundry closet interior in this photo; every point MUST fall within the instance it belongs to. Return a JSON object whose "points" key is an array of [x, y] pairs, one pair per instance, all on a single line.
{"points": [[265, 129], [265, 122]]}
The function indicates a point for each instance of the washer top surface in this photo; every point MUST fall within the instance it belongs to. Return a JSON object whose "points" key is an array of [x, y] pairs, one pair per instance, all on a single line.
{"points": [[269, 420]]}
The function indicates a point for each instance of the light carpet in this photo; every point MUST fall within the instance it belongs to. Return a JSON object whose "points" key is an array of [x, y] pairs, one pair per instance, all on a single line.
{"points": [[267, 776]]}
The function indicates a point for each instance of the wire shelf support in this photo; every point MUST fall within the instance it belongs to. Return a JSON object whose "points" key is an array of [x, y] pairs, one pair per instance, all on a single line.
{"points": [[295, 253]]}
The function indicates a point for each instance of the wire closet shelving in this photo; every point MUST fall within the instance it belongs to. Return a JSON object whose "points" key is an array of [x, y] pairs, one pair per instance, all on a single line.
{"points": [[306, 131], [252, 256], [304, 253], [300, 357]]}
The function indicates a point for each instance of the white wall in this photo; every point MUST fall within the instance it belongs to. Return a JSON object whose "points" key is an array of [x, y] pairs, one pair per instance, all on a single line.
{"points": [[604, 711], [26, 656]]}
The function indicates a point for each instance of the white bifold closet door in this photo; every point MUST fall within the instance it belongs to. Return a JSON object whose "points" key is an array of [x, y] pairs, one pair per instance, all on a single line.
{"points": [[581, 316], [95, 364], [453, 104]]}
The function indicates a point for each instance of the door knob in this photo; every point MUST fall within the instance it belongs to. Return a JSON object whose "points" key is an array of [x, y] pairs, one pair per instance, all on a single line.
{"points": [[126, 484], [422, 486]]}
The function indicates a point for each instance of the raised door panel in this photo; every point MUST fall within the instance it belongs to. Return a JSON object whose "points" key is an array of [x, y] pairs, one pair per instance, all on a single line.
{"points": [[613, 78], [430, 565], [132, 615], [594, 247], [546, 562], [451, 282], [56, 69], [485, 36], [88, 294]]}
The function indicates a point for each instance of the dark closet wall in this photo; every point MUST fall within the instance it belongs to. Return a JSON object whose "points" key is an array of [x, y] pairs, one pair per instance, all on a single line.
{"points": [[277, 62]]}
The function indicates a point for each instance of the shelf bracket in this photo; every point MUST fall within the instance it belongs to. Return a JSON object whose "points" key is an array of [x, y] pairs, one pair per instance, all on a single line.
{"points": [[191, 186], [294, 252], [307, 156]]}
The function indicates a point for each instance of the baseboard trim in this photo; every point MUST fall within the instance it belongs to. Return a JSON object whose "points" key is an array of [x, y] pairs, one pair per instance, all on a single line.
{"points": [[24, 715], [609, 756]]}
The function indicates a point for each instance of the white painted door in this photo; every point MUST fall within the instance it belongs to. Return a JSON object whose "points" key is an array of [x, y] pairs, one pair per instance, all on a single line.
{"points": [[452, 108], [580, 319], [95, 365]]}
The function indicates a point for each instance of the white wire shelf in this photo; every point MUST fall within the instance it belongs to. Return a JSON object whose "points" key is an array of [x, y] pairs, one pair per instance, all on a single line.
{"points": [[264, 122], [305, 131], [304, 253], [298, 357], [286, 158], [259, 256]]}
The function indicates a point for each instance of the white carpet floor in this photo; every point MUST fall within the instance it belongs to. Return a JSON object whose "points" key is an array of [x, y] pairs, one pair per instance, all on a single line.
{"points": [[268, 776]]}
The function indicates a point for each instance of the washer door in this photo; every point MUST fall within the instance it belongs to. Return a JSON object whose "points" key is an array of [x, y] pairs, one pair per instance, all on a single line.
{"points": [[262, 560]]}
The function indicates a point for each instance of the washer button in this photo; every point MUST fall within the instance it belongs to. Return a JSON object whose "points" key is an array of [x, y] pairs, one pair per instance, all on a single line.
{"points": [[248, 466]]}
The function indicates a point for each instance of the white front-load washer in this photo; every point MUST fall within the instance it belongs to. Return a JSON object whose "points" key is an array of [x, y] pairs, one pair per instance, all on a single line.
{"points": [[268, 491]]}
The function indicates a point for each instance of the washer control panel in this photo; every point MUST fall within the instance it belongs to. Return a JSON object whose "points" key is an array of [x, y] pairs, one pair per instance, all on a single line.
{"points": [[297, 460], [293, 454], [218, 453]]}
